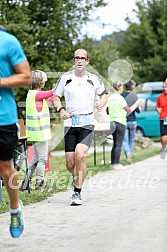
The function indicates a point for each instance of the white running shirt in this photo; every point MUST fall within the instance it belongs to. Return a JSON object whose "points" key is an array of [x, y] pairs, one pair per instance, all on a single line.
{"points": [[79, 93]]}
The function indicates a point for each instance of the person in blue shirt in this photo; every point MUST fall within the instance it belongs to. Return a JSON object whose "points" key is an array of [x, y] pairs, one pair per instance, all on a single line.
{"points": [[14, 72], [130, 131]]}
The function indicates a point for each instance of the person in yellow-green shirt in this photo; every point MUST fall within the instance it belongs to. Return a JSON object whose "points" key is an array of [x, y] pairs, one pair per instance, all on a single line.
{"points": [[118, 109]]}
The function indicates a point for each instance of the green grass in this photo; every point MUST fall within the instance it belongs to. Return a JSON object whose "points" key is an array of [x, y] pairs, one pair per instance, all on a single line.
{"points": [[59, 179]]}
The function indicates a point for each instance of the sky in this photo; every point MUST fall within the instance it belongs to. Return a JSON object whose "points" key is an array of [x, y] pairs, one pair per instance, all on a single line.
{"points": [[112, 16]]}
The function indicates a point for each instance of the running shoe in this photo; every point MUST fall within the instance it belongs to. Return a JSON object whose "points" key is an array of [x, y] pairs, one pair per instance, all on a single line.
{"points": [[117, 167], [163, 152], [17, 223], [76, 199], [129, 158], [40, 185]]}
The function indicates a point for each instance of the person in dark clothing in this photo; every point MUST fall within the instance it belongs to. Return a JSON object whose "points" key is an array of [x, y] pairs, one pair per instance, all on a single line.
{"points": [[129, 138]]}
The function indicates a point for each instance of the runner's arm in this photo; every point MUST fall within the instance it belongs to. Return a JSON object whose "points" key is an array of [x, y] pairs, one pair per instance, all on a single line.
{"points": [[22, 76]]}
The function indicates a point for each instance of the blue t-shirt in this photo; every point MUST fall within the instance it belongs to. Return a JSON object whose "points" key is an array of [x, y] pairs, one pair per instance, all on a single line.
{"points": [[11, 54]]}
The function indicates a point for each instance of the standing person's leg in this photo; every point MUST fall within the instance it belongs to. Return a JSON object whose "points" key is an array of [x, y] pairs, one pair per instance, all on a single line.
{"points": [[125, 144], [132, 132], [118, 137], [42, 152], [8, 142], [128, 143], [113, 147], [33, 162]]}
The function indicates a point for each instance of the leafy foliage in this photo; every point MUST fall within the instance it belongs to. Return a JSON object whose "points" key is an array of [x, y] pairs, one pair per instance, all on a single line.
{"points": [[145, 42], [49, 30]]}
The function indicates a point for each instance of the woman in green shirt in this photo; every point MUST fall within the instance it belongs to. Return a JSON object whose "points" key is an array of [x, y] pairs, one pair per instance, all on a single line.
{"points": [[118, 109]]}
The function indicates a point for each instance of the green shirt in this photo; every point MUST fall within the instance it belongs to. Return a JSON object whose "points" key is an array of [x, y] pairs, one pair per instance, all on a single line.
{"points": [[116, 104]]}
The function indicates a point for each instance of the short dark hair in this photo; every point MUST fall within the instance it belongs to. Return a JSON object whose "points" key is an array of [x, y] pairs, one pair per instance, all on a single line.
{"points": [[130, 85]]}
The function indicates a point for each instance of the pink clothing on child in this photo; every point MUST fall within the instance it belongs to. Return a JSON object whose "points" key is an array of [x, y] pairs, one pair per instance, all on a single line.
{"points": [[40, 96]]}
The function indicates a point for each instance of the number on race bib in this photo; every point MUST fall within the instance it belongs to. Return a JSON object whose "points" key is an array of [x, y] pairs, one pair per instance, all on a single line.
{"points": [[81, 120]]}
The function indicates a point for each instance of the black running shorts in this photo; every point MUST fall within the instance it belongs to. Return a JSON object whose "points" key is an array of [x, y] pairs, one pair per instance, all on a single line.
{"points": [[8, 141], [163, 128], [75, 135]]}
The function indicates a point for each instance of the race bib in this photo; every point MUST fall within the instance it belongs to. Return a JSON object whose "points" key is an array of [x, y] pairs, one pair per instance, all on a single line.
{"points": [[81, 120], [165, 121]]}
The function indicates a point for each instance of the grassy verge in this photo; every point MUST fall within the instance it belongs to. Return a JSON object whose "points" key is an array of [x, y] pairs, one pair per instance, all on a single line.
{"points": [[59, 179]]}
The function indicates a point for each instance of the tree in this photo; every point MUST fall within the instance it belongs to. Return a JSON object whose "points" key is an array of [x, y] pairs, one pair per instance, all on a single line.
{"points": [[48, 30], [145, 42]]}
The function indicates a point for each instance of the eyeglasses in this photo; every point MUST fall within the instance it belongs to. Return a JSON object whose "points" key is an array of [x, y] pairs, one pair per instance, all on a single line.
{"points": [[77, 58]]}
